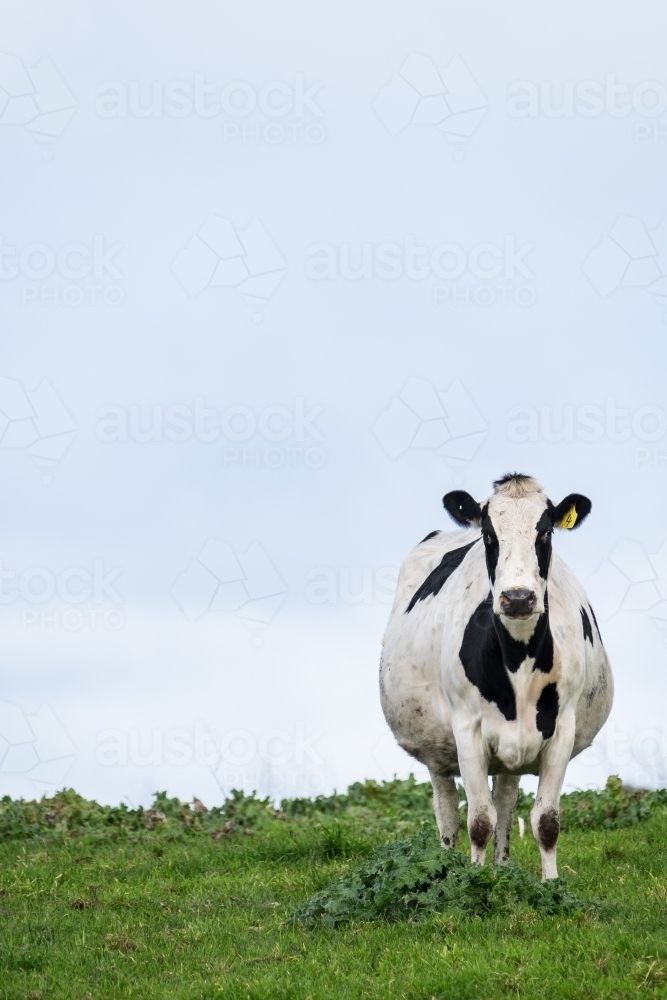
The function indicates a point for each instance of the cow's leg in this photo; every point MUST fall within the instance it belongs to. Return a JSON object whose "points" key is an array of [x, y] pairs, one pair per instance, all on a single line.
{"points": [[481, 811], [505, 794], [446, 807], [475, 775], [544, 816]]}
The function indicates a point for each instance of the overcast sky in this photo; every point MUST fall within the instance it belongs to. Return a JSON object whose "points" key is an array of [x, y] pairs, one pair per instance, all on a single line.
{"points": [[274, 278]]}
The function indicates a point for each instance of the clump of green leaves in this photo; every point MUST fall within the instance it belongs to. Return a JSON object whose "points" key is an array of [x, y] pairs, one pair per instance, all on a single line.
{"points": [[409, 879], [617, 805], [64, 812], [248, 812]]}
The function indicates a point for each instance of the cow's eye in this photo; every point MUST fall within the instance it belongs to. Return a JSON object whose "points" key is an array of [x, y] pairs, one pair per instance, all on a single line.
{"points": [[546, 535], [487, 537]]}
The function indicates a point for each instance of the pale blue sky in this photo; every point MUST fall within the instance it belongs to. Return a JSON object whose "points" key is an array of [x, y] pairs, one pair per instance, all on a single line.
{"points": [[295, 373]]}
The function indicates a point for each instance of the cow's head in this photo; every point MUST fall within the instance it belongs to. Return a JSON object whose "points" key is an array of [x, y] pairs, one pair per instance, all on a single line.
{"points": [[517, 522]]}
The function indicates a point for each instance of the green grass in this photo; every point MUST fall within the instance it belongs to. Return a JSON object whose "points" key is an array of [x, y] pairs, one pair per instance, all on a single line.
{"points": [[102, 903]]}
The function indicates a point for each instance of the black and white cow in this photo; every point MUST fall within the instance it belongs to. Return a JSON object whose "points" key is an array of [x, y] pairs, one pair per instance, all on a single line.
{"points": [[492, 662]]}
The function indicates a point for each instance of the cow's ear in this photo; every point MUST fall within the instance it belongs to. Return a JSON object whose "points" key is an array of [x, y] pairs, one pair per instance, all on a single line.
{"points": [[572, 511], [462, 508]]}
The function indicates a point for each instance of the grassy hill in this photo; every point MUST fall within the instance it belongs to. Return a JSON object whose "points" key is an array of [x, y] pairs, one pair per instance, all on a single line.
{"points": [[340, 897]]}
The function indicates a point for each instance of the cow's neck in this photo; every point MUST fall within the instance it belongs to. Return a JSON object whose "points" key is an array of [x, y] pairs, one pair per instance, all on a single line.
{"points": [[536, 644]]}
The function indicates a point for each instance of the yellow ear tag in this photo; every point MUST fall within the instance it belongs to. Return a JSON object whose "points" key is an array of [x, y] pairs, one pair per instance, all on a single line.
{"points": [[570, 519]]}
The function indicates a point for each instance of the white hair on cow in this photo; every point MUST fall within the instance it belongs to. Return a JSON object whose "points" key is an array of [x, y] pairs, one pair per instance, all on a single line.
{"points": [[515, 485]]}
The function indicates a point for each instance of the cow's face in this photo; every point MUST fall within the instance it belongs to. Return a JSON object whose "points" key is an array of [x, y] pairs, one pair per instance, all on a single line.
{"points": [[516, 533]]}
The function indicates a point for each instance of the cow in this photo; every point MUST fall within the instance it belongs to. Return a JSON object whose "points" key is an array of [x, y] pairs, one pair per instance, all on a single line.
{"points": [[492, 663]]}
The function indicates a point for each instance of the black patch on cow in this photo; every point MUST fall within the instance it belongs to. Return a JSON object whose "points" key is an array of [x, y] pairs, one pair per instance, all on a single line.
{"points": [[544, 654], [491, 546], [514, 652], [541, 642], [544, 528], [489, 653], [586, 622], [482, 659], [548, 829], [436, 580], [597, 627], [429, 537], [462, 508], [480, 831], [547, 710], [581, 504], [539, 647]]}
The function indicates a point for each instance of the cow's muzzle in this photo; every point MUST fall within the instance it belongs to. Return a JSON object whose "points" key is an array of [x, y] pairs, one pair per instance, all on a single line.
{"points": [[518, 602]]}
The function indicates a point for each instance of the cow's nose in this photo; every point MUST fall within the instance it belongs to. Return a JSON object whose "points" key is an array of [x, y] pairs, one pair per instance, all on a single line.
{"points": [[518, 602]]}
